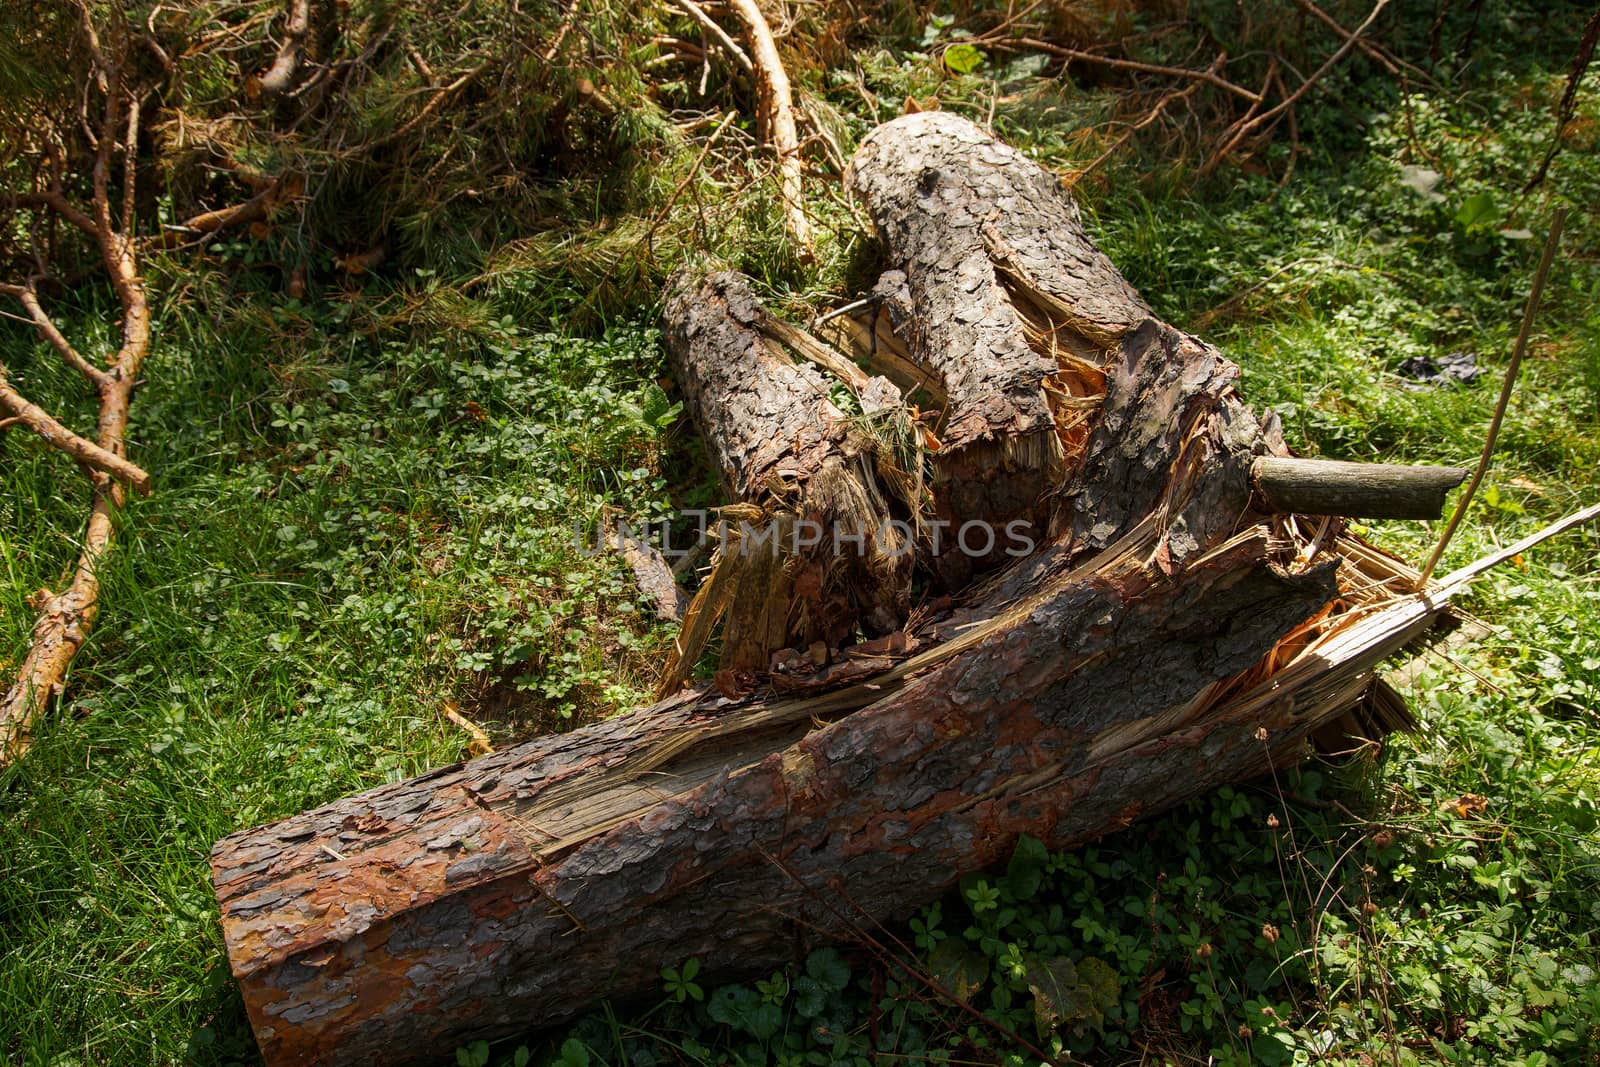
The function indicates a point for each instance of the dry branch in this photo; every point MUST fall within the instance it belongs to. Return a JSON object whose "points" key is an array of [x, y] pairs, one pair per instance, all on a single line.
{"points": [[65, 618], [280, 77], [1356, 490], [58, 436], [776, 119], [1208, 75], [718, 34], [1244, 129]]}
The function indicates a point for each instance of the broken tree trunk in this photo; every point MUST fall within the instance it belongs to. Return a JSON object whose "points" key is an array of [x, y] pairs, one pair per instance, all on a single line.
{"points": [[803, 472], [1169, 632]]}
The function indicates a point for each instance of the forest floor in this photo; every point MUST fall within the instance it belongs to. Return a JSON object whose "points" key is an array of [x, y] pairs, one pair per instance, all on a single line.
{"points": [[365, 515]]}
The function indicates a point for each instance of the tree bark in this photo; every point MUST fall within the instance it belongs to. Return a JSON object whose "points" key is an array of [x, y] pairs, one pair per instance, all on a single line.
{"points": [[808, 472], [1359, 490], [1001, 294], [65, 618], [1170, 633]]}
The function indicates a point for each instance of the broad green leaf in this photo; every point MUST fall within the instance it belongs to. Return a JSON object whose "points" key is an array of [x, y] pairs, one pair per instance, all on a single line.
{"points": [[959, 968], [1478, 210], [963, 58]]}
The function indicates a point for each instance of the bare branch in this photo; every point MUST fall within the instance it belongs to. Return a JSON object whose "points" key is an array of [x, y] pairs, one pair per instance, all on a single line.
{"points": [[130, 163], [29, 296], [279, 78], [1289, 101], [718, 34], [58, 436], [1209, 76], [61, 629], [777, 120], [106, 144], [56, 201]]}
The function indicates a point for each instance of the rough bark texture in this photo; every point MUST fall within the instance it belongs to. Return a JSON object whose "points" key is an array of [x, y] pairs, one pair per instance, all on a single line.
{"points": [[65, 618], [766, 419], [392, 926], [1171, 636], [970, 225], [805, 470]]}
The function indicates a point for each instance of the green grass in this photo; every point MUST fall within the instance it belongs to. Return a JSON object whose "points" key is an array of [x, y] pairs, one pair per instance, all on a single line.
{"points": [[364, 510]]}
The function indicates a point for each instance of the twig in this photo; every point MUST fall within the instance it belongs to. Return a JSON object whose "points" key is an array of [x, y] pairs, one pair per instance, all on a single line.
{"points": [[1289, 101], [776, 113], [279, 78], [1569, 98], [694, 170], [1552, 242], [1209, 76], [1379, 54], [1149, 117], [718, 34], [29, 297], [480, 745], [58, 436], [559, 39], [1466, 574]]}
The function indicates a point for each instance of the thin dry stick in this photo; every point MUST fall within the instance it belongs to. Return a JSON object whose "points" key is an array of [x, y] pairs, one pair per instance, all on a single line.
{"points": [[1289, 101], [1209, 76], [1379, 54], [280, 77], [718, 34], [776, 103], [91, 455], [1550, 245], [1150, 116], [1569, 98], [480, 745], [1463, 575]]}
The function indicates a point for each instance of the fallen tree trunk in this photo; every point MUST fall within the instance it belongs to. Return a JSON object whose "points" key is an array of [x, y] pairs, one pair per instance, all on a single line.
{"points": [[1169, 631]]}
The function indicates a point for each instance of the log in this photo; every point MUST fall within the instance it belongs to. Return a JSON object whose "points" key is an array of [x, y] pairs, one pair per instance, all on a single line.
{"points": [[999, 292], [1356, 490], [1169, 633]]}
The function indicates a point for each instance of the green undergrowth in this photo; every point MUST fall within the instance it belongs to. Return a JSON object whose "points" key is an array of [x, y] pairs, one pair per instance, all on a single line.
{"points": [[377, 501]]}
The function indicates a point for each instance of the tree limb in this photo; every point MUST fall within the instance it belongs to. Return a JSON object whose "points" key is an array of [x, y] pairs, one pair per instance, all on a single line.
{"points": [[776, 116], [718, 34], [65, 618], [1245, 129], [279, 78], [29, 296], [58, 436], [1209, 75]]}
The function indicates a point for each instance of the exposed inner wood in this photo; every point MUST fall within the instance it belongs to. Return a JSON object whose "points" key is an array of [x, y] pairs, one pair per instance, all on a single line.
{"points": [[998, 291]]}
